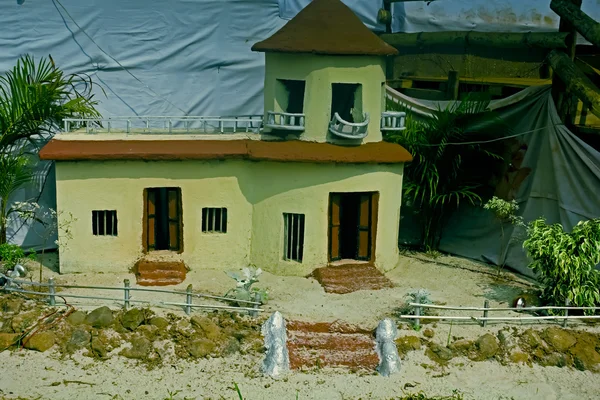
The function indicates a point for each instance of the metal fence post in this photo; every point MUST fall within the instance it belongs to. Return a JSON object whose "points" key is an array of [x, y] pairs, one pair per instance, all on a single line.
{"points": [[188, 300], [567, 303], [127, 294], [51, 291], [417, 315], [486, 305], [256, 299]]}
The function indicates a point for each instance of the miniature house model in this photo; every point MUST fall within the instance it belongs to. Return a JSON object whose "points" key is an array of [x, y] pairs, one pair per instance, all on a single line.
{"points": [[307, 184]]}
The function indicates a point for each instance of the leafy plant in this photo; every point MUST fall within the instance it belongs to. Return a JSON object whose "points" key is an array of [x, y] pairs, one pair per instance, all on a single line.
{"points": [[565, 262], [11, 255], [35, 98], [415, 296], [442, 174], [506, 214]]}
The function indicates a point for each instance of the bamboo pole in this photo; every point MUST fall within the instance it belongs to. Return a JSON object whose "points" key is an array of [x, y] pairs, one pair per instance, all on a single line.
{"points": [[583, 23], [545, 40], [575, 81]]}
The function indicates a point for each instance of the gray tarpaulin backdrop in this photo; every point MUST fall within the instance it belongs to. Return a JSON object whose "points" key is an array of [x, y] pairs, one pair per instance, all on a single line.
{"points": [[563, 184], [193, 56]]}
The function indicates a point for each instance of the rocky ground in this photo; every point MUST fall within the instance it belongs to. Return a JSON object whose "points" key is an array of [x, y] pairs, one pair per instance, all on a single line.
{"points": [[92, 350]]}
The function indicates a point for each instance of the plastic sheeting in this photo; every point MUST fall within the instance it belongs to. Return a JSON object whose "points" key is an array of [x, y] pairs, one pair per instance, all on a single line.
{"points": [[561, 186]]}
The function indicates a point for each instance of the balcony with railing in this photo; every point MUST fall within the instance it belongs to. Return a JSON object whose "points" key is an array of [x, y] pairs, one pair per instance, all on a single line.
{"points": [[349, 130], [285, 121], [393, 120], [165, 125]]}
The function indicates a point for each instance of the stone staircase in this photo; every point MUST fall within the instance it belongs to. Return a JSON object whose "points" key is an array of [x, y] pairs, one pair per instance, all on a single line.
{"points": [[336, 344], [157, 272]]}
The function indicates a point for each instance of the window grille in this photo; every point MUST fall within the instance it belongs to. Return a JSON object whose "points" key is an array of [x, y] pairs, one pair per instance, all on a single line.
{"points": [[104, 222], [214, 220], [293, 237]]}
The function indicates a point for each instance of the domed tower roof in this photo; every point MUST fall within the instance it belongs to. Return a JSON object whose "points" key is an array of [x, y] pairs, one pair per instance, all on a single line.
{"points": [[326, 27]]}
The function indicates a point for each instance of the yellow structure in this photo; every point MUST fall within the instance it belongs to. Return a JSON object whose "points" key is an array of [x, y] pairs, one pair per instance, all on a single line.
{"points": [[331, 194]]}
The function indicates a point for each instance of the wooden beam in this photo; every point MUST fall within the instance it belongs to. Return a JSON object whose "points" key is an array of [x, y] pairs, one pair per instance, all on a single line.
{"points": [[576, 82], [546, 40], [583, 23], [452, 85]]}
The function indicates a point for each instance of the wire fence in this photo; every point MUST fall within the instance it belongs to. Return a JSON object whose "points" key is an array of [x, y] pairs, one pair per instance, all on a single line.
{"points": [[253, 307], [418, 313]]}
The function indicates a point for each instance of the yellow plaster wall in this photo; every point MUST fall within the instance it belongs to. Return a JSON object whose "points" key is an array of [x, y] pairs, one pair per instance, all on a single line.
{"points": [[320, 72], [256, 195]]}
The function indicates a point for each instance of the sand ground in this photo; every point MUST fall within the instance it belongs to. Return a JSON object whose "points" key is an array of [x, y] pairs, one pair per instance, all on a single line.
{"points": [[450, 280]]}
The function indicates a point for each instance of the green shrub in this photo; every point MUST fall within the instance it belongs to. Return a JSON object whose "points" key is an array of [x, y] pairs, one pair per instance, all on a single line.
{"points": [[10, 255], [565, 262]]}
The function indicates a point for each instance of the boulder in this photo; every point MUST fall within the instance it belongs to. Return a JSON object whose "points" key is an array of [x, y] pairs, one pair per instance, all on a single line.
{"points": [[7, 340], [100, 318], [519, 357], [159, 322], [79, 338], [22, 321], [206, 326], [461, 346], [439, 354], [140, 348], [559, 339], [76, 318], [99, 347], [149, 331], [41, 341], [230, 346], [485, 347], [132, 319], [585, 353], [428, 333], [507, 340], [531, 339], [12, 305], [200, 348], [554, 360], [408, 343]]}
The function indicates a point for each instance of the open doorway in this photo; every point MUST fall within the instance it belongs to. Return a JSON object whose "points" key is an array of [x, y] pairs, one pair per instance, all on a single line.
{"points": [[352, 226], [163, 224]]}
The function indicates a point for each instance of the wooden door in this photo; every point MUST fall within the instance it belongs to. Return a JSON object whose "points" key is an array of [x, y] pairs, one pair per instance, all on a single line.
{"points": [[149, 235], [174, 217], [163, 222], [364, 228], [334, 227]]}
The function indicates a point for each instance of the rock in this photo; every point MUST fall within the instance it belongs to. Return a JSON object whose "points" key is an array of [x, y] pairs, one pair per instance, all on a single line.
{"points": [[22, 321], [7, 340], [531, 339], [41, 341], [507, 340], [76, 318], [519, 357], [159, 322], [200, 348], [559, 339], [428, 333], [485, 347], [99, 348], [408, 343], [207, 326], [230, 347], [183, 328], [439, 354], [100, 318], [12, 306], [585, 355], [132, 319], [6, 325], [79, 338], [140, 348], [554, 360], [149, 331], [461, 346]]}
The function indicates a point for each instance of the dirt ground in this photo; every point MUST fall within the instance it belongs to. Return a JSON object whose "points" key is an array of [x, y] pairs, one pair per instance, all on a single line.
{"points": [[450, 280]]}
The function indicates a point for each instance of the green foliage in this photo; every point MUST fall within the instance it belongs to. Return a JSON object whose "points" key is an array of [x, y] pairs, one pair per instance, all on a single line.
{"points": [[415, 296], [443, 174], [506, 214], [35, 98], [10, 255], [565, 262]]}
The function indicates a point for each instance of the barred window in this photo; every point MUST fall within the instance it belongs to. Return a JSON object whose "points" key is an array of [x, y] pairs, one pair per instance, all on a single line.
{"points": [[293, 244], [104, 222], [214, 220]]}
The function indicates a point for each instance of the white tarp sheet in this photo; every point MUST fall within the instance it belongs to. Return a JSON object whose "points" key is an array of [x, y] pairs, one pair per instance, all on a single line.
{"points": [[563, 184]]}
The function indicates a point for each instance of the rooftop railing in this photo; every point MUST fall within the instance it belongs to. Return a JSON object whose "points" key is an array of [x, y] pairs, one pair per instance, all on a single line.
{"points": [[393, 120], [285, 121], [166, 124], [349, 130]]}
